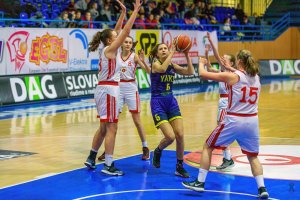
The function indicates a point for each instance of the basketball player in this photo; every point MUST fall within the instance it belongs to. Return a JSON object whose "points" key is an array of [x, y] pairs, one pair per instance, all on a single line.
{"points": [[107, 91], [127, 61], [228, 163], [165, 110], [241, 120]]}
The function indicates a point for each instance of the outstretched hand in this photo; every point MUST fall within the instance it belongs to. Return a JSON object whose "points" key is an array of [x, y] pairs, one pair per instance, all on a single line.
{"points": [[122, 5], [137, 5], [208, 36]]}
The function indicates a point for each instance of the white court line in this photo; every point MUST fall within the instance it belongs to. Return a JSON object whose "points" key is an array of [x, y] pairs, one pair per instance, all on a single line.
{"points": [[154, 190]]}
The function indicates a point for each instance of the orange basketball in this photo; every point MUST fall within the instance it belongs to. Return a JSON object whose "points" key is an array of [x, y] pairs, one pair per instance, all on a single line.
{"points": [[183, 43]]}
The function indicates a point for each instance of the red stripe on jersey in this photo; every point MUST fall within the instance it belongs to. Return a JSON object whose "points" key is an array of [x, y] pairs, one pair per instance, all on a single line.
{"points": [[230, 93], [217, 135], [249, 153], [111, 68], [100, 65], [126, 58], [241, 114], [108, 106]]}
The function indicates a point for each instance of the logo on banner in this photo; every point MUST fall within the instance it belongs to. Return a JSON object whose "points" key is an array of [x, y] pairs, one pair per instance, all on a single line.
{"points": [[80, 35], [17, 48], [48, 48], [1, 49], [147, 40], [284, 67], [32, 87]]}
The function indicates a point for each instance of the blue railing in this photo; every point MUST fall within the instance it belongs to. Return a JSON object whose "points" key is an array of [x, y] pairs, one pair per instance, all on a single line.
{"points": [[237, 33]]}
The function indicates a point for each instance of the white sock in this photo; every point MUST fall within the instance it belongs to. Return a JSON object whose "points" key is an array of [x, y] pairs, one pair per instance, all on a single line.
{"points": [[145, 144], [260, 181], [227, 154], [108, 159], [202, 175], [96, 151]]}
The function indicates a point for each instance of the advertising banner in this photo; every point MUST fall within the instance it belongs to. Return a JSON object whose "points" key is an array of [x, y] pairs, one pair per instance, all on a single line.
{"points": [[19, 89], [279, 67], [81, 83], [35, 50]]}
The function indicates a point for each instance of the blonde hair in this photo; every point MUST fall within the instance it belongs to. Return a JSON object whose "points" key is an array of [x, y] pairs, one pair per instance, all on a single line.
{"points": [[250, 65]]}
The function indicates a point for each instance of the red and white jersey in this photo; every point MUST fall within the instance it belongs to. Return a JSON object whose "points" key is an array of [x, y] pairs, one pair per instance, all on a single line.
{"points": [[127, 66], [108, 70], [223, 88], [243, 96]]}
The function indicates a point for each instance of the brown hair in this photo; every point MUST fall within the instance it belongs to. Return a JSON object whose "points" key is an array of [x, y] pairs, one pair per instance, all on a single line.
{"points": [[250, 65], [153, 53], [98, 38], [133, 44]]}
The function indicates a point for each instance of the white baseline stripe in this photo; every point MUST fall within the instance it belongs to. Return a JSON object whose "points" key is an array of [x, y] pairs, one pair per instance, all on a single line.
{"points": [[154, 190]]}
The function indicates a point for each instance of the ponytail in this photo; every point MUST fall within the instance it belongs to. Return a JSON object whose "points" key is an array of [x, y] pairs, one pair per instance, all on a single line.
{"points": [[98, 38], [250, 65]]}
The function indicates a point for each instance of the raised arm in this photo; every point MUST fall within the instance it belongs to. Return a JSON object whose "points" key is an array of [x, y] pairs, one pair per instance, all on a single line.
{"points": [[216, 53], [110, 52], [208, 65], [227, 77], [189, 70], [119, 24], [140, 59]]}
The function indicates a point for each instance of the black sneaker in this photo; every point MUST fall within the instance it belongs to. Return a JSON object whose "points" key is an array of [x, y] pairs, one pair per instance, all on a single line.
{"points": [[180, 171], [226, 165], [194, 185], [111, 170], [262, 193], [146, 154], [90, 163], [156, 159]]}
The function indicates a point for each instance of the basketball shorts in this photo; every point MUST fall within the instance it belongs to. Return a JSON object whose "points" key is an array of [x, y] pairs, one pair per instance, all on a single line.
{"points": [[129, 95], [107, 99], [242, 129], [164, 109]]}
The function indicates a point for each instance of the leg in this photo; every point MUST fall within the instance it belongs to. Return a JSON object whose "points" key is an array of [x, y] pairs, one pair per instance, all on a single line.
{"points": [[167, 130], [227, 163], [137, 121], [97, 142], [177, 125], [110, 139], [198, 184], [257, 172]]}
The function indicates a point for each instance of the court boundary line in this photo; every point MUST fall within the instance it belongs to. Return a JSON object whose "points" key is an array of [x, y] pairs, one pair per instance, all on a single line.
{"points": [[154, 190]]}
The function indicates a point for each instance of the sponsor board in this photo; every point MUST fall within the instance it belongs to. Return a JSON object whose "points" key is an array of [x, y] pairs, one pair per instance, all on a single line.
{"points": [[81, 84], [279, 67], [18, 89]]}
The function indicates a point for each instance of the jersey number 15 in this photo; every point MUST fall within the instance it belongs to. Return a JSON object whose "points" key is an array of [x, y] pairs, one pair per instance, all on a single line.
{"points": [[250, 94]]}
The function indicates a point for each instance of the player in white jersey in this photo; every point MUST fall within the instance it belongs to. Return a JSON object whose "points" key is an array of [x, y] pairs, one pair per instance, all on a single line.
{"points": [[241, 120], [227, 163], [107, 91], [127, 61]]}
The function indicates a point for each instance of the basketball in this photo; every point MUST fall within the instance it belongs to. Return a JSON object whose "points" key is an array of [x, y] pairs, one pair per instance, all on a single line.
{"points": [[183, 43]]}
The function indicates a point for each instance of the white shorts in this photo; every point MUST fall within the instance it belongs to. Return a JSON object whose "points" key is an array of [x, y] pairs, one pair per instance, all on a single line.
{"points": [[129, 95], [223, 102], [243, 129], [107, 99]]}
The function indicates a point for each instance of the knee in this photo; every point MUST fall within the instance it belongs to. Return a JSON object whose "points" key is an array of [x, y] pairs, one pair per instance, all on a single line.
{"points": [[170, 139]]}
